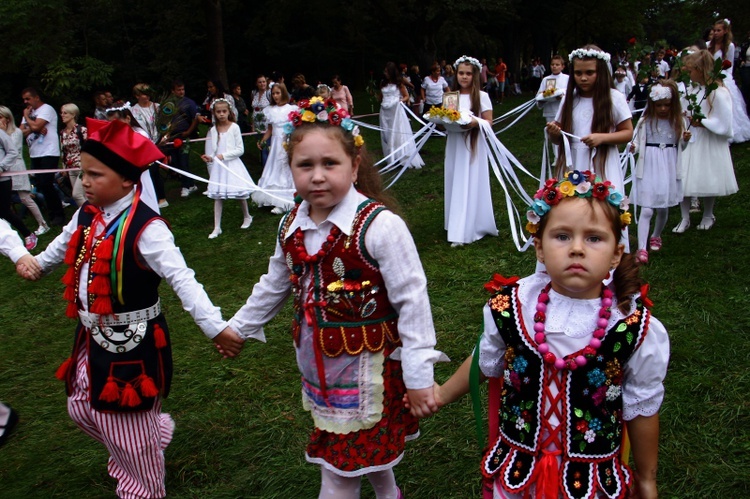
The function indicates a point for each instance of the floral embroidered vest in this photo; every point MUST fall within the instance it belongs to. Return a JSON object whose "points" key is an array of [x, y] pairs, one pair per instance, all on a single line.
{"points": [[347, 304], [127, 381], [590, 409]]}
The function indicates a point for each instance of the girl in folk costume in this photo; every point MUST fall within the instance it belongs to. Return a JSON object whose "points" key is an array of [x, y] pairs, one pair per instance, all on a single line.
{"points": [[277, 176], [657, 183], [721, 47], [228, 178], [469, 215], [594, 112], [706, 166], [396, 135], [362, 329], [118, 250], [571, 361]]}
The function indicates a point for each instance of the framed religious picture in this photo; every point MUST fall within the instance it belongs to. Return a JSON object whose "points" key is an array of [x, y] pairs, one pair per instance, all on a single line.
{"points": [[450, 100], [551, 85]]}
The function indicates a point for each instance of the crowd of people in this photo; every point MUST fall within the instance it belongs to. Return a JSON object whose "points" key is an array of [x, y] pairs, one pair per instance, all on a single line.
{"points": [[572, 353]]}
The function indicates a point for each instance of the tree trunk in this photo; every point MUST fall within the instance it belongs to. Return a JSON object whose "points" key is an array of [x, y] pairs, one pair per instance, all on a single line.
{"points": [[216, 59]]}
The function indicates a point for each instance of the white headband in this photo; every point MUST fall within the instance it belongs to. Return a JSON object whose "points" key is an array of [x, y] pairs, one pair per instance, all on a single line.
{"points": [[659, 92], [118, 109], [468, 60], [220, 99], [589, 53]]}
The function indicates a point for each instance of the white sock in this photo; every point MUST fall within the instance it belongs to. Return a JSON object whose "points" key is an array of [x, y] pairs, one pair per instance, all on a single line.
{"points": [[218, 206]]}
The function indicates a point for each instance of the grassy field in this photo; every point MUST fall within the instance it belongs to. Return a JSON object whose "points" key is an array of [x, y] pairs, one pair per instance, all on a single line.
{"points": [[241, 431]]}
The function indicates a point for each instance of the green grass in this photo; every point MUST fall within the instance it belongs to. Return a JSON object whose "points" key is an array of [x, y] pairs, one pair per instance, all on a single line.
{"points": [[241, 431]]}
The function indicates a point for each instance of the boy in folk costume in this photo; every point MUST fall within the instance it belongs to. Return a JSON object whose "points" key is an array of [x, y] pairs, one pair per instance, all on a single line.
{"points": [[118, 250]]}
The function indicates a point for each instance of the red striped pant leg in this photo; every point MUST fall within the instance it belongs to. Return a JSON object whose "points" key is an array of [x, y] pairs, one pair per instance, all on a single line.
{"points": [[79, 401]]}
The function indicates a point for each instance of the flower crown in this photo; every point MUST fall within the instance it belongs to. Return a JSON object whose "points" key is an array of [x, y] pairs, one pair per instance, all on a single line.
{"points": [[465, 58], [659, 92], [118, 109], [576, 183], [324, 111], [220, 99], [589, 53]]}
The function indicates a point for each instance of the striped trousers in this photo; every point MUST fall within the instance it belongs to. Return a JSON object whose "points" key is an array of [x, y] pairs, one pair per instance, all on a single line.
{"points": [[135, 441]]}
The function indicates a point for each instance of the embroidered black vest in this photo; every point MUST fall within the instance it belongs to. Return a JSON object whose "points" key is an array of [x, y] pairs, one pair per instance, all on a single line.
{"points": [[350, 303], [152, 357], [591, 408]]}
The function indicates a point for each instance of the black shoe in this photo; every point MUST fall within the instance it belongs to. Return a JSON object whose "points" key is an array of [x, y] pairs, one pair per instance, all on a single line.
{"points": [[57, 221], [9, 425]]}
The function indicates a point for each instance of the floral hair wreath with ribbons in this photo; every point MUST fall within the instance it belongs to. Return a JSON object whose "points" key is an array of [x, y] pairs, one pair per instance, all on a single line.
{"points": [[659, 92], [328, 111], [590, 54], [582, 184], [470, 60]]}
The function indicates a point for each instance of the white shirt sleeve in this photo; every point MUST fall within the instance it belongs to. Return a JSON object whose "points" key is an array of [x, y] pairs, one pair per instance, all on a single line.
{"points": [[390, 243], [235, 147], [157, 247], [211, 137], [718, 113], [491, 347], [11, 244], [620, 108], [643, 382]]}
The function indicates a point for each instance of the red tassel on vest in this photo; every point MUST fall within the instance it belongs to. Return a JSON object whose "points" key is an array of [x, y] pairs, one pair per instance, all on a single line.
{"points": [[129, 397], [111, 392], [100, 286], [147, 386], [71, 252], [160, 339], [62, 371], [102, 305], [72, 310]]}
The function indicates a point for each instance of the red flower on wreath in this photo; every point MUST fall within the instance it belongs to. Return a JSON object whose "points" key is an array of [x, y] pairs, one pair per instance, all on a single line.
{"points": [[295, 118], [331, 103], [335, 117], [498, 282], [726, 64], [177, 143], [601, 190], [303, 103], [552, 196]]}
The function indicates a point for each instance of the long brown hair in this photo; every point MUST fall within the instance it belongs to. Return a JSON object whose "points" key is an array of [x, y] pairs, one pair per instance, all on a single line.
{"points": [[369, 181], [474, 95], [723, 45], [675, 108], [626, 279], [601, 122]]}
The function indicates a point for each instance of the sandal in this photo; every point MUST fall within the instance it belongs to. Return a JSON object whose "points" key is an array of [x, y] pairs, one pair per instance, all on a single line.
{"points": [[654, 243], [707, 223], [9, 425], [641, 256], [681, 227]]}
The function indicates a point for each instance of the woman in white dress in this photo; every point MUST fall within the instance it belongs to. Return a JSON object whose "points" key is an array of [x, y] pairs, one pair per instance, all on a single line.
{"points": [[277, 176], [721, 47], [469, 215], [396, 133]]}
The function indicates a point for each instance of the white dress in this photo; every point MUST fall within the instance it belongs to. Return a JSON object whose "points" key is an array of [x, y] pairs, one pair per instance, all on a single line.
{"points": [[706, 166], [232, 182], [740, 120], [656, 183], [396, 133], [583, 114], [469, 214], [277, 176]]}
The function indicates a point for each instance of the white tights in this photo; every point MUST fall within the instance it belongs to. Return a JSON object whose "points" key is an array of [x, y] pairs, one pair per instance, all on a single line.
{"points": [[333, 486], [708, 209], [218, 208], [644, 222]]}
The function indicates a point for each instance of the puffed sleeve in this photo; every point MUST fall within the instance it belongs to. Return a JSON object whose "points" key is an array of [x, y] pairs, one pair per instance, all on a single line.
{"points": [[643, 383], [491, 347], [719, 113], [211, 142]]}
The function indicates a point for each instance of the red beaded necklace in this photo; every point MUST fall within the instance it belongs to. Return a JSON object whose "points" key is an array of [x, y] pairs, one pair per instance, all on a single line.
{"points": [[299, 243], [571, 361]]}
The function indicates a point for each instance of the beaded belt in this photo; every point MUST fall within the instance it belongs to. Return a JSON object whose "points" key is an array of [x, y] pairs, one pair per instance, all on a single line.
{"points": [[136, 322], [660, 146]]}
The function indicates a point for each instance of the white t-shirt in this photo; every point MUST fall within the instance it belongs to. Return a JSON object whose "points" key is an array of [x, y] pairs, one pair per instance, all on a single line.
{"points": [[433, 90], [47, 145]]}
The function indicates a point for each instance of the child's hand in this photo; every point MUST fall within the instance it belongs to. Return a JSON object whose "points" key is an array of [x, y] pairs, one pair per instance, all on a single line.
{"points": [[229, 343], [632, 147], [686, 136], [421, 402], [594, 139], [28, 268], [205, 158], [553, 128]]}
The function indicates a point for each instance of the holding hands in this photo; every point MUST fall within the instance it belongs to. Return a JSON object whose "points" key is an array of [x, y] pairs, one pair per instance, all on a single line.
{"points": [[28, 268], [229, 343]]}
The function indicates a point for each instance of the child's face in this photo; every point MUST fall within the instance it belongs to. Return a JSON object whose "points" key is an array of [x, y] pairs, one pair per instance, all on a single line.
{"points": [[696, 74], [662, 108], [276, 94], [221, 111], [465, 75], [578, 248], [556, 66], [584, 72], [719, 31], [322, 171], [101, 184]]}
